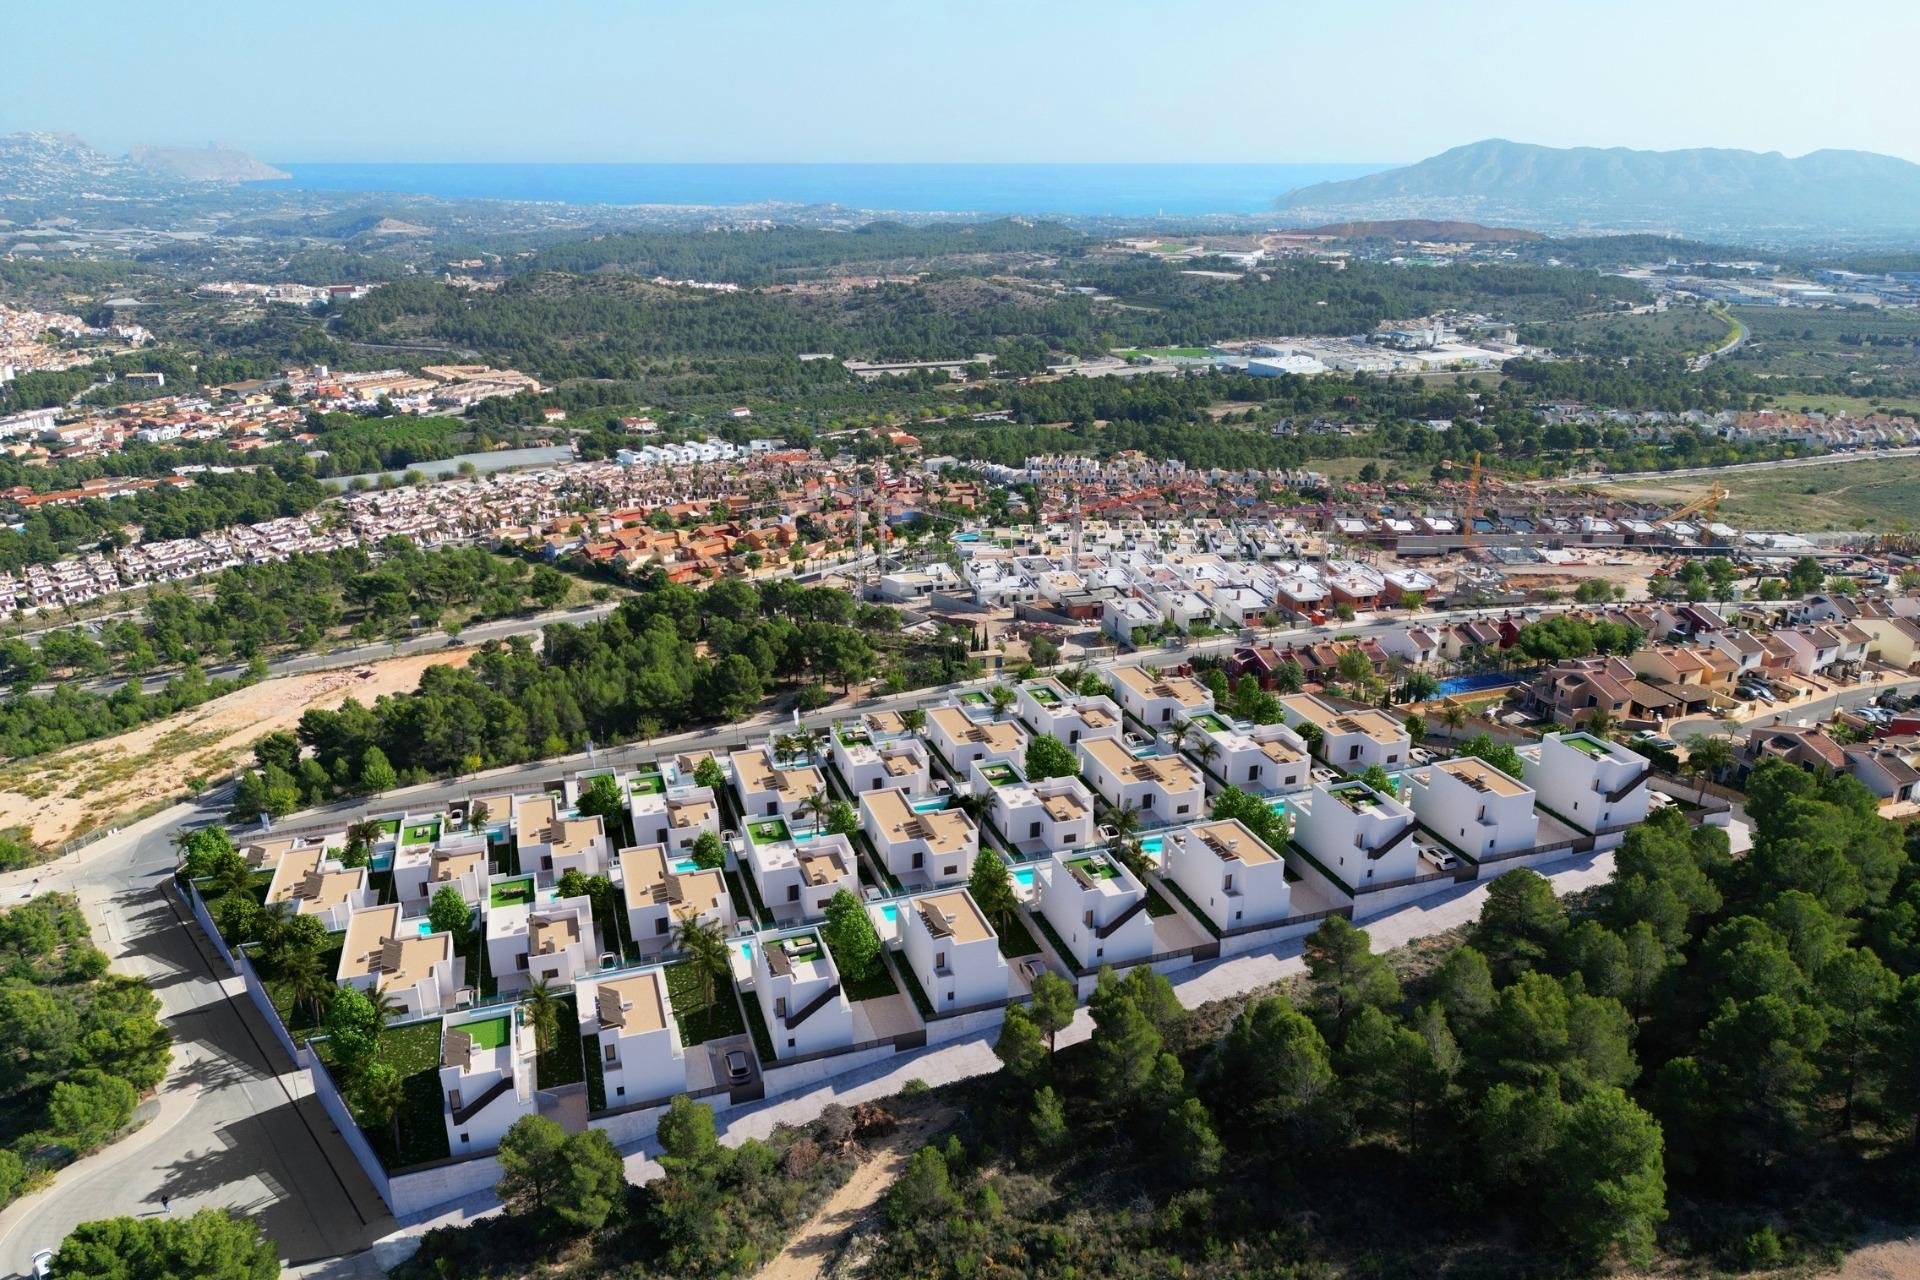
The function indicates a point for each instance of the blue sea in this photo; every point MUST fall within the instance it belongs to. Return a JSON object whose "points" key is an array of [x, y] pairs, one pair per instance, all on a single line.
{"points": [[1127, 190]]}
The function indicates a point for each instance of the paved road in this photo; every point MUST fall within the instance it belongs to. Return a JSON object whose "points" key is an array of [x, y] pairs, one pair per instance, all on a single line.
{"points": [[1737, 468], [233, 1125]]}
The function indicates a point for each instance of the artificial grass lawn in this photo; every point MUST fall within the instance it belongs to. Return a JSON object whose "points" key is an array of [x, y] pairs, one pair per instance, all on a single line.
{"points": [[1015, 940], [698, 1023], [649, 784], [511, 893], [1095, 868], [421, 833], [390, 826], [491, 1033], [769, 831], [1586, 747]]}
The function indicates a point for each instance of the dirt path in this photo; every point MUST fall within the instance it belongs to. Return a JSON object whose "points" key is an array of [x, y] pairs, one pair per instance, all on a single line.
{"points": [[816, 1244]]}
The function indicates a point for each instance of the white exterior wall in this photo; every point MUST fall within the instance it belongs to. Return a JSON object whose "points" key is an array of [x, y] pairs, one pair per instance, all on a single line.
{"points": [[975, 973], [1478, 822], [1259, 893], [1066, 906], [830, 1026], [1017, 810], [1341, 837], [1574, 784], [1156, 803]]}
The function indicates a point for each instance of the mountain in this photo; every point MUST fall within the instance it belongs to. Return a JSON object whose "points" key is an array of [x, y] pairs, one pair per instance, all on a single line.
{"points": [[204, 164], [1708, 193]]}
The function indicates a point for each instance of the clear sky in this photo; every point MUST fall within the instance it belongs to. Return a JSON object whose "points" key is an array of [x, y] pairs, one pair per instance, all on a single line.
{"points": [[945, 80]]}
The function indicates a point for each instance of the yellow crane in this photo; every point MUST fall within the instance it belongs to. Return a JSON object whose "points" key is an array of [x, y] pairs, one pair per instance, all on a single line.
{"points": [[1703, 505]]}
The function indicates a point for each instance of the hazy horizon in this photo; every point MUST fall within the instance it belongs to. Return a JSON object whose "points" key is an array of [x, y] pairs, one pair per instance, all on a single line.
{"points": [[990, 82]]}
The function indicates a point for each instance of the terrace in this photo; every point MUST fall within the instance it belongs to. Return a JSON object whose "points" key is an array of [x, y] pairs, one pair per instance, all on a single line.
{"points": [[1586, 745], [999, 773], [512, 893], [421, 832], [648, 784], [769, 831], [1094, 867]]}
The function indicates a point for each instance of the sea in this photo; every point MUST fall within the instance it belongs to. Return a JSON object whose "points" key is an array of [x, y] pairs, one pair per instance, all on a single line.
{"points": [[1084, 190]]}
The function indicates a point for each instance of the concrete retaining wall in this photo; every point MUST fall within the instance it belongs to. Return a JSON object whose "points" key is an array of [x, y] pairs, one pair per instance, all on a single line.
{"points": [[960, 1026], [1261, 939], [781, 1080], [1368, 905], [641, 1122], [411, 1193]]}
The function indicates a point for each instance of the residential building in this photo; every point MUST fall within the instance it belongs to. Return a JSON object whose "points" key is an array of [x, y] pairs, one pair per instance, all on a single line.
{"points": [[1035, 817], [1365, 838], [415, 969], [1226, 871], [1098, 908], [1155, 700], [796, 877], [953, 952], [422, 870], [767, 790], [1162, 788], [1474, 807], [673, 817], [960, 739], [919, 845], [798, 988], [486, 1077], [555, 845], [316, 885], [539, 937], [662, 890], [628, 1023], [870, 765], [1351, 740], [1263, 759], [1598, 786], [1049, 707]]}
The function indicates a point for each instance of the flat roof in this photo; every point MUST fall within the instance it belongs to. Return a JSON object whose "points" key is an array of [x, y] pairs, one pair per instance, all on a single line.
{"points": [[1232, 841], [953, 914], [944, 830], [634, 1004], [1171, 772], [1481, 776], [1186, 690]]}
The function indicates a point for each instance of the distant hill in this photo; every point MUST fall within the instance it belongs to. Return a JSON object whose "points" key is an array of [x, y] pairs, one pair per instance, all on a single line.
{"points": [[1421, 229], [204, 164], [1709, 193]]}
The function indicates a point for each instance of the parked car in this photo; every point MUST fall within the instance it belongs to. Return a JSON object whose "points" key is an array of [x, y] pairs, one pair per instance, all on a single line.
{"points": [[1032, 967], [42, 1264], [739, 1067]]}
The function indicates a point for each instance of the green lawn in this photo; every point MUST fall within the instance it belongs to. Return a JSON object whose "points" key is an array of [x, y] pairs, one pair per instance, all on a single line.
{"points": [[768, 831], [1016, 940], [490, 1033], [1095, 868], [648, 784], [700, 1022], [877, 985], [564, 1062], [512, 893], [295, 1015], [414, 1052], [421, 833]]}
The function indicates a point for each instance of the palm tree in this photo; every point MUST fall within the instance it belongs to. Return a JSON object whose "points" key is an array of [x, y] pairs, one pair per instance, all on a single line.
{"points": [[385, 1005], [270, 927], [1600, 722], [1001, 697], [307, 983], [1454, 717], [233, 876], [1707, 755], [706, 949], [1125, 822], [364, 834], [1181, 732], [1206, 749], [543, 1011], [783, 748], [913, 719], [381, 1096], [817, 806]]}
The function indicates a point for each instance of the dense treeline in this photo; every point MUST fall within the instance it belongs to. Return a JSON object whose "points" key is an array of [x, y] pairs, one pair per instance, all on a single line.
{"points": [[759, 257], [212, 501], [253, 610], [669, 659], [78, 1045], [1713, 1057], [32, 725]]}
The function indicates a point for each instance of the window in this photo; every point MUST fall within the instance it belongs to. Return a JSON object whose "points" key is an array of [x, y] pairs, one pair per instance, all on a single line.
{"points": [[773, 808], [876, 785], [453, 1099], [949, 997], [793, 893], [611, 1053], [660, 835], [949, 871], [1033, 830], [1070, 837], [919, 859], [1089, 919], [1227, 884], [1393, 758], [465, 1138], [620, 1091], [1253, 773], [1353, 752], [789, 1042], [1183, 808], [779, 1006], [1166, 714], [520, 961], [1073, 737], [660, 925], [1146, 801]]}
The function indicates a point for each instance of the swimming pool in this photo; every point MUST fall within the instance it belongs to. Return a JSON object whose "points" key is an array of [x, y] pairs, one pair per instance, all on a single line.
{"points": [[1024, 877], [1476, 683], [891, 912], [1152, 845], [746, 949], [683, 865], [966, 537], [1278, 804], [933, 804], [424, 927]]}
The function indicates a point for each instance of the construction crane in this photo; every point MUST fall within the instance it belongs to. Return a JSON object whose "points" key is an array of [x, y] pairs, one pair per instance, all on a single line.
{"points": [[1703, 505], [1473, 505]]}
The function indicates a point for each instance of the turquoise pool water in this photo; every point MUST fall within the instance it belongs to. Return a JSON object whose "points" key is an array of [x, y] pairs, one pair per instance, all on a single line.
{"points": [[801, 837], [1024, 877], [933, 805], [891, 912], [746, 949], [1278, 804], [424, 927], [681, 866], [966, 537], [1152, 845]]}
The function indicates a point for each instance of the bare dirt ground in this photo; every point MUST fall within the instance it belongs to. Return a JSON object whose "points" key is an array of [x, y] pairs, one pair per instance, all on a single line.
{"points": [[814, 1246], [1889, 1260], [58, 796]]}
